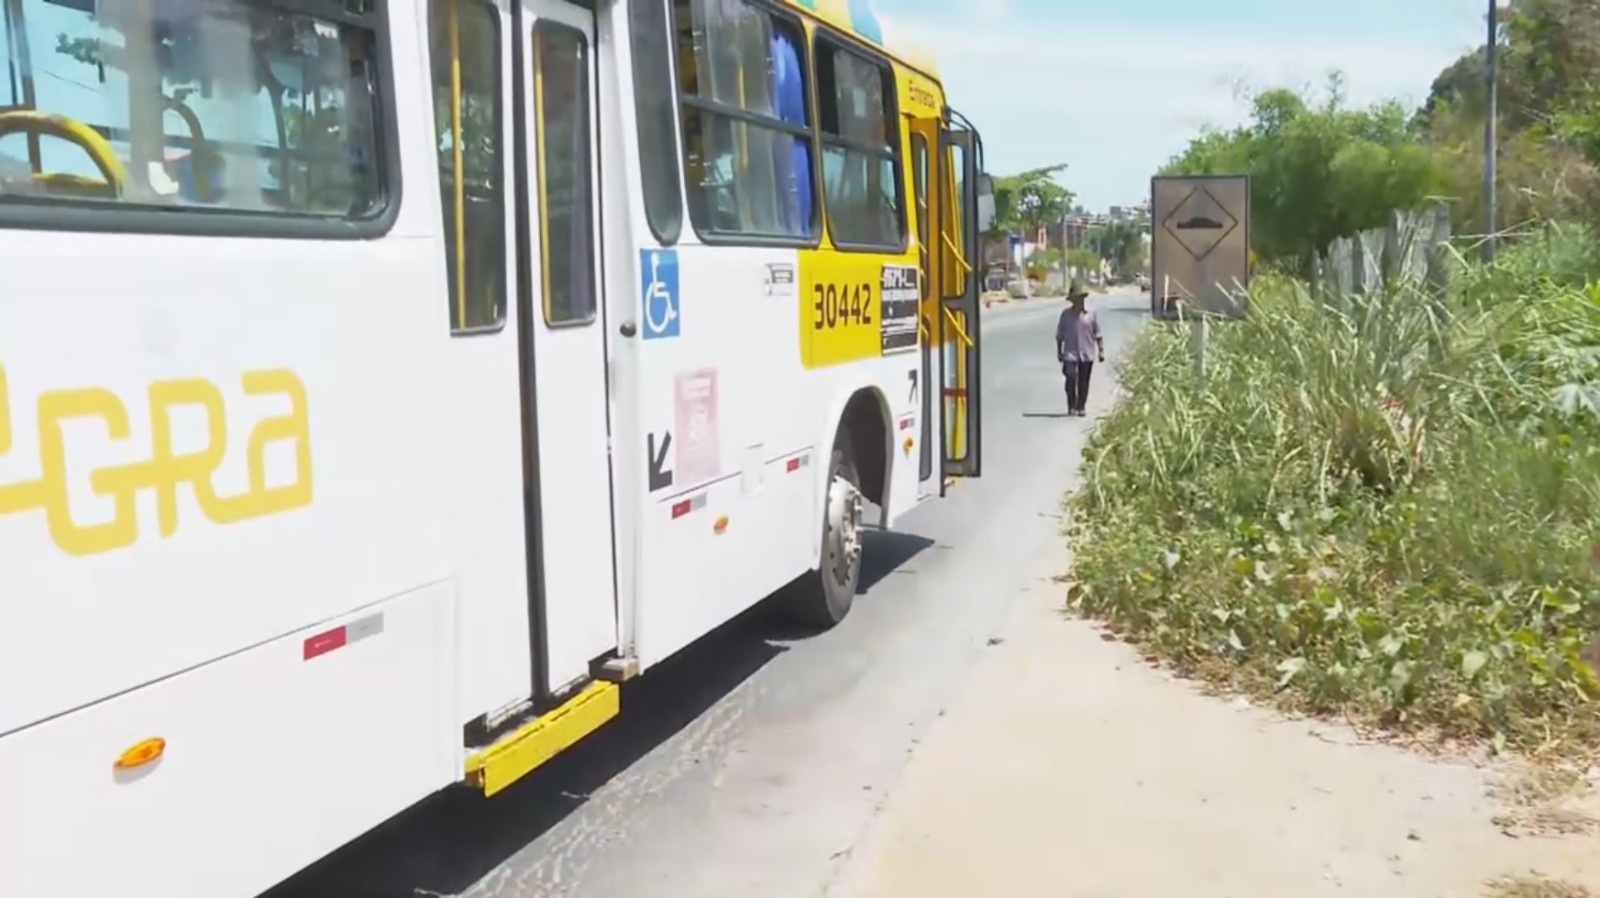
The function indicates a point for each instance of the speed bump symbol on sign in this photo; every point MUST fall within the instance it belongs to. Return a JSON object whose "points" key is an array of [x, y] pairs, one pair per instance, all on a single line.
{"points": [[1200, 222], [1199, 246]]}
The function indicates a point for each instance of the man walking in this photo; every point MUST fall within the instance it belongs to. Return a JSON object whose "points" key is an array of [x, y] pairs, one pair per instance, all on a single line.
{"points": [[1078, 347]]}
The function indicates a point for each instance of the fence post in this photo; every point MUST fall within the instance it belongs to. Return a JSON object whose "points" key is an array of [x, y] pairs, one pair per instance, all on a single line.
{"points": [[1438, 258], [1358, 264], [1391, 263]]}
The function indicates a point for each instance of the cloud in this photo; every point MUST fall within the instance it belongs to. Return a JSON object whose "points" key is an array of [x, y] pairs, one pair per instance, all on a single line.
{"points": [[1115, 99]]}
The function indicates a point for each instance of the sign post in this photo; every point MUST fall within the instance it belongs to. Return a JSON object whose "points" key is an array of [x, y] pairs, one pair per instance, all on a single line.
{"points": [[1199, 252], [1199, 335]]}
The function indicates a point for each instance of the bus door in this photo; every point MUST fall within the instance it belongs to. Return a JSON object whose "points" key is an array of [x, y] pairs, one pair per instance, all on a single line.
{"points": [[924, 135], [958, 324], [566, 398]]}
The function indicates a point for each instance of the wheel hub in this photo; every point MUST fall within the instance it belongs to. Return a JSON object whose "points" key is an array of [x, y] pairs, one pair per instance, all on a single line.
{"points": [[844, 528]]}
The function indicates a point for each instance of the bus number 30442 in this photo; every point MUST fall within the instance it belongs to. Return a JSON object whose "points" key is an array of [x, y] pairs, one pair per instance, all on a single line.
{"points": [[842, 305]]}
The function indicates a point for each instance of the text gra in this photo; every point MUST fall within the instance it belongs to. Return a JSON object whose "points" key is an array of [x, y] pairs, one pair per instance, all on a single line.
{"points": [[165, 469]]}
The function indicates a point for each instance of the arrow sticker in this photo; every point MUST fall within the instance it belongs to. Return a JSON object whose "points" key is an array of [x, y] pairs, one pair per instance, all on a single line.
{"points": [[660, 479]]}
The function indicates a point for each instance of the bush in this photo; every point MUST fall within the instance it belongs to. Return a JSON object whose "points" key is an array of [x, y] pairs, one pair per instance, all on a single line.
{"points": [[1369, 506]]}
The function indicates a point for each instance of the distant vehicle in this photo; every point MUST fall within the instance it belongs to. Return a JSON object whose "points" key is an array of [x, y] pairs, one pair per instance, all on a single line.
{"points": [[1144, 284]]}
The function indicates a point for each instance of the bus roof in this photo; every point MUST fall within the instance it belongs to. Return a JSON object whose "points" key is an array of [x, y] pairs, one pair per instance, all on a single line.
{"points": [[858, 18]]}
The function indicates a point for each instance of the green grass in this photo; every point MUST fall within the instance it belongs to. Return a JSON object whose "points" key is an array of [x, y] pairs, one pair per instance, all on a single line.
{"points": [[1369, 507]]}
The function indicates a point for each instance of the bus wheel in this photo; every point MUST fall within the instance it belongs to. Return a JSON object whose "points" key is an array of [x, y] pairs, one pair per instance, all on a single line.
{"points": [[826, 594]]}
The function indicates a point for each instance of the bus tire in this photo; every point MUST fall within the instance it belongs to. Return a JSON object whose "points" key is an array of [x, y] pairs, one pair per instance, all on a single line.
{"points": [[823, 597]]}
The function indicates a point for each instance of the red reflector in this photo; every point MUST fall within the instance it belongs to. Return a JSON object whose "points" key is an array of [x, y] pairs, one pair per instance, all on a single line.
{"points": [[679, 509], [905, 424], [794, 465], [323, 643], [955, 392]]}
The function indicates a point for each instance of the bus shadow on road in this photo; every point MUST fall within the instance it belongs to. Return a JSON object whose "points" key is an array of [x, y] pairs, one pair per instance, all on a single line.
{"points": [[454, 840], [886, 551], [883, 552]]}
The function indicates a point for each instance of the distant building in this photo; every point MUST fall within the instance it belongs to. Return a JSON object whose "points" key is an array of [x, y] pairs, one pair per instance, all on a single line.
{"points": [[1073, 232]]}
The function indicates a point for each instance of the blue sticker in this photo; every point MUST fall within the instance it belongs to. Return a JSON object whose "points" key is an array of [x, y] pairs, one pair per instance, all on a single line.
{"points": [[658, 292]]}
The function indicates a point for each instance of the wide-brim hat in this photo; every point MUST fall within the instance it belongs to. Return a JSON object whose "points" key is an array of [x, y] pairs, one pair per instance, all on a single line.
{"points": [[1077, 291]]}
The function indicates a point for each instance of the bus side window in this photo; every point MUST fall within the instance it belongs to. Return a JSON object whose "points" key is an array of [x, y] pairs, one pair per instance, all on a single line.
{"points": [[653, 108], [919, 187], [566, 180], [228, 106], [746, 129], [471, 168], [860, 150]]}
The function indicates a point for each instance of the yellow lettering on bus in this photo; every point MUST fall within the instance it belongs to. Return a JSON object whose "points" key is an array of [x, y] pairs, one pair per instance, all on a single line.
{"points": [[64, 405], [165, 469], [921, 97]]}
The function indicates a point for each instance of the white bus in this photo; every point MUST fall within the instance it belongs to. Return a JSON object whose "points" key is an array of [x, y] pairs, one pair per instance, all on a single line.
{"points": [[382, 382]]}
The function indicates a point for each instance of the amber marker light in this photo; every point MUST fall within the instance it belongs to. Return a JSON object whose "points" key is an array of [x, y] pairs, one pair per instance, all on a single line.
{"points": [[147, 752]]}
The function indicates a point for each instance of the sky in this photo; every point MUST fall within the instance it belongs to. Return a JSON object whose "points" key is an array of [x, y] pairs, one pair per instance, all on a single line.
{"points": [[1115, 88]]}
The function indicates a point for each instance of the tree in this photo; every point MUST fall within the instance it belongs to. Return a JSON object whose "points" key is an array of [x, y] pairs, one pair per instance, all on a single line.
{"points": [[1038, 200], [1552, 50], [1045, 257], [1119, 243], [1027, 201], [1083, 258], [1042, 261], [1459, 89], [1318, 169], [1553, 53], [1548, 50], [1549, 118]]}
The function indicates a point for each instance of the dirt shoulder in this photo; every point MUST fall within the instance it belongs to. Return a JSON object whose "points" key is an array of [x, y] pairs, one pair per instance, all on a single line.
{"points": [[1070, 767]]}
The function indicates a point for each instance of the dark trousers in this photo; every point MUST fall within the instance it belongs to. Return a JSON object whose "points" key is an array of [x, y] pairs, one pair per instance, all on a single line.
{"points": [[1077, 374]]}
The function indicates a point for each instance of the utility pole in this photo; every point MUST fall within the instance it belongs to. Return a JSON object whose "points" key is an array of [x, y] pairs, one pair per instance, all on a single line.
{"points": [[1066, 268], [1490, 150]]}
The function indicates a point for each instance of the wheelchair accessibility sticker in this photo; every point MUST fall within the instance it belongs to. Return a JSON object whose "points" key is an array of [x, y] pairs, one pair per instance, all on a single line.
{"points": [[658, 291]]}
